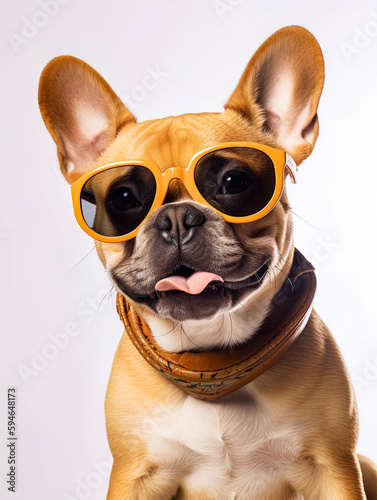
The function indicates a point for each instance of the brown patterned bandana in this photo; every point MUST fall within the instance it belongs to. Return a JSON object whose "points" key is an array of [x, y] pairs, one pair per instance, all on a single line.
{"points": [[211, 375]]}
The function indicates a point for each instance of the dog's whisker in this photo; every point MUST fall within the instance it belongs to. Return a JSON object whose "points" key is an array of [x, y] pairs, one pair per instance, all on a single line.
{"points": [[187, 337], [167, 333], [181, 338], [134, 314], [267, 270], [282, 258], [275, 283], [78, 263], [286, 276], [309, 223], [260, 278], [269, 276], [231, 329], [281, 270], [222, 324], [107, 296]]}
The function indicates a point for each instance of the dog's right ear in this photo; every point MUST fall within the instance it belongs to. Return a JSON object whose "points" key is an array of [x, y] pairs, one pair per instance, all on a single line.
{"points": [[81, 112], [280, 89]]}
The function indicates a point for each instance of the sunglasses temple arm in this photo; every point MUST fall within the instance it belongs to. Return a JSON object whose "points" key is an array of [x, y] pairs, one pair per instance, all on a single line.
{"points": [[292, 169]]}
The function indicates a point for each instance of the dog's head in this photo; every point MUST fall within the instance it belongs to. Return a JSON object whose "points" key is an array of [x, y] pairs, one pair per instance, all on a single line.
{"points": [[187, 261]]}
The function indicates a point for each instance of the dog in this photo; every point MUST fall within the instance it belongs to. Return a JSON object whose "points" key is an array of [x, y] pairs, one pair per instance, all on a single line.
{"points": [[226, 383]]}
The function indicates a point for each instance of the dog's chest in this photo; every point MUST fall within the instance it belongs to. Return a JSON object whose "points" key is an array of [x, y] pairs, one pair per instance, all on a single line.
{"points": [[226, 448]]}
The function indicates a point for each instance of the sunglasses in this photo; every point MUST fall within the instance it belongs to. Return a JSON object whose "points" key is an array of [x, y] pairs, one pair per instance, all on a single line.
{"points": [[242, 181]]}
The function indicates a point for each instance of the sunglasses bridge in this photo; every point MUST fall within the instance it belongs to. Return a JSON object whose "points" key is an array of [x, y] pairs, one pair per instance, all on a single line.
{"points": [[174, 173]]}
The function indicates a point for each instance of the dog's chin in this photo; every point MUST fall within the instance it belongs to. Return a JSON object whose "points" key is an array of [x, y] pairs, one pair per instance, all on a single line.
{"points": [[180, 306], [217, 297]]}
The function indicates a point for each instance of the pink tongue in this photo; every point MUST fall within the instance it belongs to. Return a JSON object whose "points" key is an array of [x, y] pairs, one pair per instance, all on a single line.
{"points": [[194, 284]]}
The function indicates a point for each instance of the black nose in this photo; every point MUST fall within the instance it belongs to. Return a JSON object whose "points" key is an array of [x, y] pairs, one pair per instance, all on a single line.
{"points": [[179, 222]]}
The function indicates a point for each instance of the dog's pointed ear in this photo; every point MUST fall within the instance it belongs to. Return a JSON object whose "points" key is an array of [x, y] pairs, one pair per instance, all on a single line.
{"points": [[280, 89], [81, 112]]}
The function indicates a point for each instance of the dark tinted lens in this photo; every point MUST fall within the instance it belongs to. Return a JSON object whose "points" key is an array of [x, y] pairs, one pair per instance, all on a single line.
{"points": [[114, 202], [236, 181]]}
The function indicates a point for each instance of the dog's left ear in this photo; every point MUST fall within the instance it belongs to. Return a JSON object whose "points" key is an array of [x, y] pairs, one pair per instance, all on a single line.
{"points": [[81, 112], [280, 89]]}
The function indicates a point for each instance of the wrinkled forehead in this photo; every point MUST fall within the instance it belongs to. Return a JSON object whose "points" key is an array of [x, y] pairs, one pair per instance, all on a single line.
{"points": [[173, 141], [170, 142]]}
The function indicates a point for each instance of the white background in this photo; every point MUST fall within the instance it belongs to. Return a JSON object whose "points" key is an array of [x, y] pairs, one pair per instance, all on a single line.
{"points": [[45, 284]]}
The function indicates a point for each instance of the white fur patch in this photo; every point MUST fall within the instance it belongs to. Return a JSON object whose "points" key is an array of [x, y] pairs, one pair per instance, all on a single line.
{"points": [[91, 121], [226, 329], [288, 121], [280, 94], [234, 448]]}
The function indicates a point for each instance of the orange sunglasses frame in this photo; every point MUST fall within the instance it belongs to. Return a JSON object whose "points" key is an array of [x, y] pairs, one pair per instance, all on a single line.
{"points": [[280, 160]]}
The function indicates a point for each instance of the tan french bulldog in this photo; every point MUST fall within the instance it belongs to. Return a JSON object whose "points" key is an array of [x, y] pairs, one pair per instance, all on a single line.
{"points": [[226, 384]]}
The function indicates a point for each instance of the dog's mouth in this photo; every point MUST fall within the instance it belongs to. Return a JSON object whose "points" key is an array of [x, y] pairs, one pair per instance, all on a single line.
{"points": [[188, 293], [185, 280]]}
